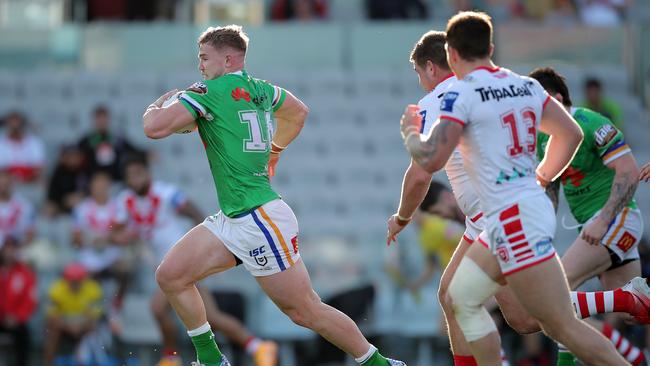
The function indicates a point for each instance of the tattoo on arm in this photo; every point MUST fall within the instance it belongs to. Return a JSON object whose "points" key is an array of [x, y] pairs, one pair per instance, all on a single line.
{"points": [[622, 192], [553, 192], [424, 152]]}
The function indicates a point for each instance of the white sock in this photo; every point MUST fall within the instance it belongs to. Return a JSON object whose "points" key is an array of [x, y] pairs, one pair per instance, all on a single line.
{"points": [[367, 355], [200, 330]]}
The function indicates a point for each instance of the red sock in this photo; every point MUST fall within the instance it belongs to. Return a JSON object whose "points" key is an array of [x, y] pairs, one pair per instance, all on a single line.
{"points": [[464, 360], [631, 353], [587, 304]]}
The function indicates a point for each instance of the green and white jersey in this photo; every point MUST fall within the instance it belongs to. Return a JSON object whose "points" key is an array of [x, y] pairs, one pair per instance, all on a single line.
{"points": [[234, 114], [587, 181]]}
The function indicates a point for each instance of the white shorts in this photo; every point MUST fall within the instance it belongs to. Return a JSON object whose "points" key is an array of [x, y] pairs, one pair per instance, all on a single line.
{"points": [[265, 241], [521, 235], [623, 235], [473, 227]]}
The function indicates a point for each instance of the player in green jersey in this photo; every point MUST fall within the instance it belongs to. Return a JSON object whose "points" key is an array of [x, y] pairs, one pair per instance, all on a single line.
{"points": [[234, 113], [599, 187]]}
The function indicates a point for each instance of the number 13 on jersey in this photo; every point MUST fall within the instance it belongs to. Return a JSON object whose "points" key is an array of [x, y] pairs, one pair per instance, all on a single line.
{"points": [[510, 121]]}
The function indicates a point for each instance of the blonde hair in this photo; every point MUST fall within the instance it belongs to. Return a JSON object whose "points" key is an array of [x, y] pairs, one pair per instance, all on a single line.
{"points": [[232, 36]]}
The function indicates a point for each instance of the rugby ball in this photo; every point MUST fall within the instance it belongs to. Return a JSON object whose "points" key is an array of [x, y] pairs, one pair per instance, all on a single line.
{"points": [[189, 128]]}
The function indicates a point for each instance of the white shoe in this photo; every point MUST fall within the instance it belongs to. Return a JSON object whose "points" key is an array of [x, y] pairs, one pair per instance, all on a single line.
{"points": [[392, 362], [639, 289], [224, 362]]}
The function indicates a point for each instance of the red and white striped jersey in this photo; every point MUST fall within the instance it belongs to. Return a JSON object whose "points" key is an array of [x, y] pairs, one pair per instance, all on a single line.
{"points": [[500, 111], [155, 215], [16, 217], [93, 218], [461, 186]]}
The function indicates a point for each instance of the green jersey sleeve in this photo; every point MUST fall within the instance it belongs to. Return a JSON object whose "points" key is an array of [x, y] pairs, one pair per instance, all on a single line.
{"points": [[196, 99], [542, 140], [277, 94], [601, 134]]}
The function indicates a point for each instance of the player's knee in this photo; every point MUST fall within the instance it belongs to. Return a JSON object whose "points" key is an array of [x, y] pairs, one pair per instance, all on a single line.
{"points": [[468, 290], [168, 277], [443, 296]]}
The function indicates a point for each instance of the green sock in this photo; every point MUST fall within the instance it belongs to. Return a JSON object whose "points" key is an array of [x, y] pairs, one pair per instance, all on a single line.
{"points": [[565, 358], [207, 352], [376, 360]]}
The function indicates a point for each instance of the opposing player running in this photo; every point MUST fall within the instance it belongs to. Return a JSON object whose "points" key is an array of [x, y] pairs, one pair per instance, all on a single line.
{"points": [[599, 186], [497, 112], [234, 113], [434, 75]]}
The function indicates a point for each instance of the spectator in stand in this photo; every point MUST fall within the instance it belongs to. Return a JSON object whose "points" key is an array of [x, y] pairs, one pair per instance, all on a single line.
{"points": [[102, 149], [16, 213], [596, 101], [68, 182], [20, 151], [17, 299], [304, 10], [74, 310], [102, 250], [390, 9], [602, 13]]}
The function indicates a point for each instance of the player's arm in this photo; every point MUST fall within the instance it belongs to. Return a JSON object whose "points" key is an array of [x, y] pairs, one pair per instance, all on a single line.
{"points": [[290, 118], [626, 180], [564, 141], [414, 187], [617, 156], [432, 152], [161, 122]]}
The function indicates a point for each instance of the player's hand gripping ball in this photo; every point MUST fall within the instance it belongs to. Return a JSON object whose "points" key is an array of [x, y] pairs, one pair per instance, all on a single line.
{"points": [[189, 128], [411, 121]]}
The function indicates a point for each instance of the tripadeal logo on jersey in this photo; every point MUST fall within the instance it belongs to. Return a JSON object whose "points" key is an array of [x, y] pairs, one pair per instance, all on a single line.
{"points": [[511, 91]]}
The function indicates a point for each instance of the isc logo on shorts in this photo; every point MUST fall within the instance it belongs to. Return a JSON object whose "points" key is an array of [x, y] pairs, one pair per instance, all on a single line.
{"points": [[258, 255]]}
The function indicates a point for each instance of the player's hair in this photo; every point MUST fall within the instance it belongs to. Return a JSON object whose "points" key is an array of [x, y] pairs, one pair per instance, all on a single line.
{"points": [[433, 195], [553, 82], [430, 47], [470, 33], [232, 36]]}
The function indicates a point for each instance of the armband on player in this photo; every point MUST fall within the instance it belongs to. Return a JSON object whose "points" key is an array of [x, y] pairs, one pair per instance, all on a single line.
{"points": [[276, 149], [402, 221], [542, 182]]}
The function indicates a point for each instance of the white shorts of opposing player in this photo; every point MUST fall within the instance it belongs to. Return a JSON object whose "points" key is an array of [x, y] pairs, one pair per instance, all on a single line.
{"points": [[265, 240], [623, 234]]}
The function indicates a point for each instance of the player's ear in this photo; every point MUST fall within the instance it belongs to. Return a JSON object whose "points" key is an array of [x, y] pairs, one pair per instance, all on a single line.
{"points": [[430, 67], [559, 98], [491, 49]]}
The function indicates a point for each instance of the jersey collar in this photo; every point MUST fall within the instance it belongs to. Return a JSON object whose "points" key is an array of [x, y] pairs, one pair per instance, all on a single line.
{"points": [[489, 69]]}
